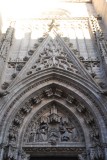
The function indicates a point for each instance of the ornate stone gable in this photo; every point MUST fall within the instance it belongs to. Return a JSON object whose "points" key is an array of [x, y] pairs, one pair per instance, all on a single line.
{"points": [[53, 56], [79, 56], [53, 53]]}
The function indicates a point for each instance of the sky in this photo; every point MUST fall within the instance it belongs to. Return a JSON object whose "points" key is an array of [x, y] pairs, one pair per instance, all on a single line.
{"points": [[26, 9]]}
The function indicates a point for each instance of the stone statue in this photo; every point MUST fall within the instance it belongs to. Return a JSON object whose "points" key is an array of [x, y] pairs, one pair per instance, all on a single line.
{"points": [[31, 137], [65, 136], [42, 132], [53, 136], [74, 135]]}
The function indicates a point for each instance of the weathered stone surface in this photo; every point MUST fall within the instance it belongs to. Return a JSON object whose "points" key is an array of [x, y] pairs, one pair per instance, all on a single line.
{"points": [[53, 84]]}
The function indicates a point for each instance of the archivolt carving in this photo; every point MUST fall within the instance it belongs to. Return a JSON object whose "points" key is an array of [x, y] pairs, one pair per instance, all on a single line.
{"points": [[64, 131], [46, 80], [49, 93]]}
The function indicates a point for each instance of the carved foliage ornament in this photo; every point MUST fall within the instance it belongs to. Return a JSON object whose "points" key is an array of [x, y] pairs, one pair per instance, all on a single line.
{"points": [[53, 55]]}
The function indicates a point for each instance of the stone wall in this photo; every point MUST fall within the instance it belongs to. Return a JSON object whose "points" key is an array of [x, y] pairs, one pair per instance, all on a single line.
{"points": [[101, 8], [0, 23]]}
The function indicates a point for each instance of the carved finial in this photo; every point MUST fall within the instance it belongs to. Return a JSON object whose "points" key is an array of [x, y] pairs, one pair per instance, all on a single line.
{"points": [[53, 24]]}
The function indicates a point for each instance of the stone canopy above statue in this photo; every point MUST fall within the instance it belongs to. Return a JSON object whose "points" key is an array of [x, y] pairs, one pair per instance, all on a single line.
{"points": [[53, 127]]}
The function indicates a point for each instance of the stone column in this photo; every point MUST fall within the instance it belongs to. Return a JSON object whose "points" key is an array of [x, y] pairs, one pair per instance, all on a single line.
{"points": [[1, 151]]}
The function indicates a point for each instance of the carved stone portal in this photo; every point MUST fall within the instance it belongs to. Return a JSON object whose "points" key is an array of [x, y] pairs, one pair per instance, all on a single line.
{"points": [[53, 127]]}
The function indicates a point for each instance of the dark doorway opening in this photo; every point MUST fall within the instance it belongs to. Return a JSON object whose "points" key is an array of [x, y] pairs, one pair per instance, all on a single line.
{"points": [[54, 158]]}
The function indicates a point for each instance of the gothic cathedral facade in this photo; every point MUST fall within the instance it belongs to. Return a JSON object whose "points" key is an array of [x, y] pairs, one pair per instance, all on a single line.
{"points": [[53, 85]]}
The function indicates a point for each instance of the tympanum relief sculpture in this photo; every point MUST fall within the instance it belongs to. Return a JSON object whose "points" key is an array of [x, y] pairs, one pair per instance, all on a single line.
{"points": [[52, 127]]}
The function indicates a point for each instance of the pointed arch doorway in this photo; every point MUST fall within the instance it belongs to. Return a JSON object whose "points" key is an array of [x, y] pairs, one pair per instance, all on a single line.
{"points": [[51, 109], [53, 132]]}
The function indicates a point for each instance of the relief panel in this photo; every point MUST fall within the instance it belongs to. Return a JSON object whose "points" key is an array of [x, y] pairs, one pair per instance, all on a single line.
{"points": [[52, 127]]}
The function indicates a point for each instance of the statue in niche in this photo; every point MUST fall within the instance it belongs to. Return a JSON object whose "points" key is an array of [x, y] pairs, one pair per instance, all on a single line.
{"points": [[31, 137], [94, 135], [32, 133], [92, 154]]}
